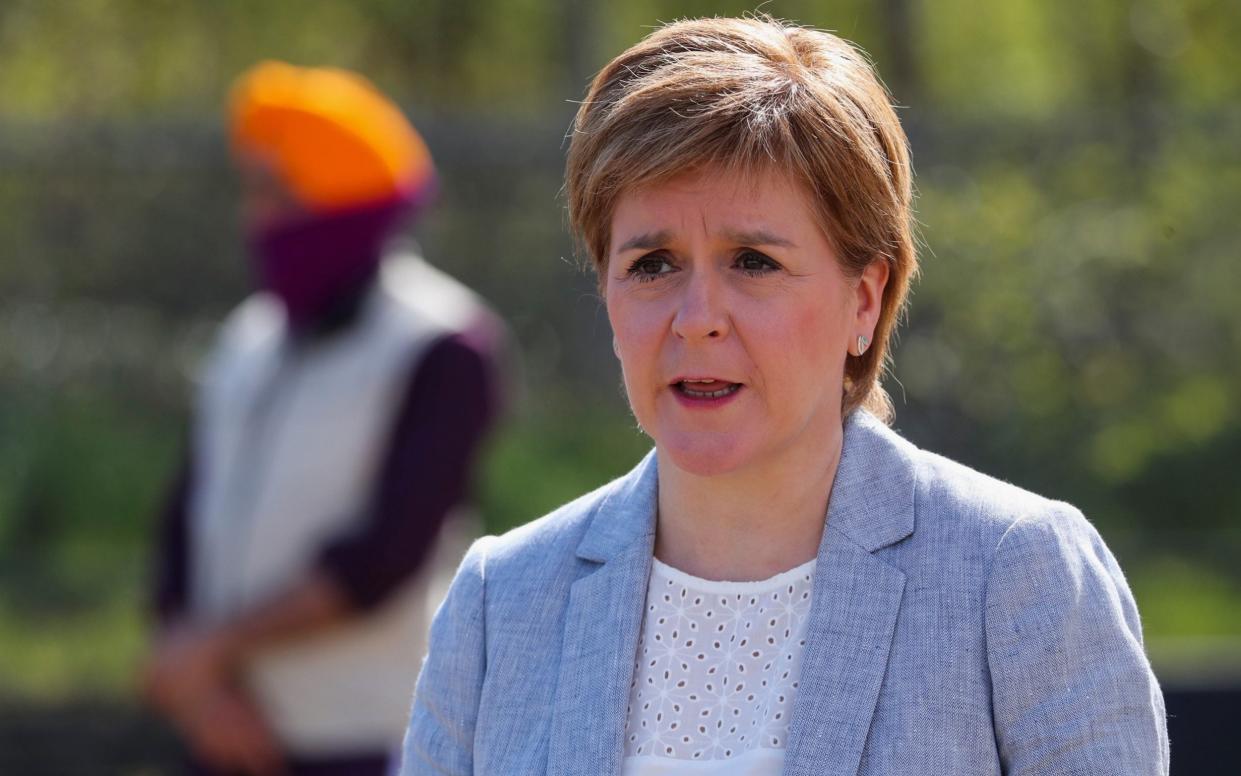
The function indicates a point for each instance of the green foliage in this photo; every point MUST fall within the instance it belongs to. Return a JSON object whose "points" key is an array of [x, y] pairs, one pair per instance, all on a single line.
{"points": [[81, 475], [539, 463], [1180, 597], [1075, 329], [54, 655]]}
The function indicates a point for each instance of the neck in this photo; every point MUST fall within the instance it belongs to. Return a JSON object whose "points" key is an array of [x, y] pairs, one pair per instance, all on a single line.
{"points": [[750, 524]]}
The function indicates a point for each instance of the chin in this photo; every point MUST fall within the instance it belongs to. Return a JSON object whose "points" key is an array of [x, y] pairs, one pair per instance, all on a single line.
{"points": [[704, 454]]}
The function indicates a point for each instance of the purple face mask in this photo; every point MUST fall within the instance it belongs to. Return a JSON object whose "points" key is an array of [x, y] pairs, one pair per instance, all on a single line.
{"points": [[311, 260]]}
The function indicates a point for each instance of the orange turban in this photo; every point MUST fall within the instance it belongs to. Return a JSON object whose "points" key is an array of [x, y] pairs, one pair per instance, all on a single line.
{"points": [[336, 141]]}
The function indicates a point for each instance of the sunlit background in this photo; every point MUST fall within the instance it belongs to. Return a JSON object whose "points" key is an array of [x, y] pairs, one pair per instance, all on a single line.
{"points": [[1076, 329]]}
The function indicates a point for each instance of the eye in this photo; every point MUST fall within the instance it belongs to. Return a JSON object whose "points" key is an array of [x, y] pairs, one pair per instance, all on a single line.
{"points": [[649, 267], [755, 264]]}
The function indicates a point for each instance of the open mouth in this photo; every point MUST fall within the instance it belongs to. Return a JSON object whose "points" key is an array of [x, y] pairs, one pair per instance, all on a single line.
{"points": [[706, 388]]}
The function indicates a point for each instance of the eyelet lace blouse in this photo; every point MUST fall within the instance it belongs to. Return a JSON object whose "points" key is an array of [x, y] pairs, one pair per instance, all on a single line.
{"points": [[717, 668]]}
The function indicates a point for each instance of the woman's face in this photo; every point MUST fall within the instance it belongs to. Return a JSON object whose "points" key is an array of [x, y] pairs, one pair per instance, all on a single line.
{"points": [[732, 319]]}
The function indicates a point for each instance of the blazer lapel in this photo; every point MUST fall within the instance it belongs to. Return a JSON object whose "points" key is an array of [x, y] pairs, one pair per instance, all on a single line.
{"points": [[851, 626], [857, 598], [602, 625]]}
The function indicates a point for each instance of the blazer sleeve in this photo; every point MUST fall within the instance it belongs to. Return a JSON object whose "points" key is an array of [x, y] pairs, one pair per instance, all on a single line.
{"points": [[1072, 690], [440, 737]]}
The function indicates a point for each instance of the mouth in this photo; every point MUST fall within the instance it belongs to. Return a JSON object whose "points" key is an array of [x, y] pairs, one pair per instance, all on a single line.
{"points": [[705, 388]]}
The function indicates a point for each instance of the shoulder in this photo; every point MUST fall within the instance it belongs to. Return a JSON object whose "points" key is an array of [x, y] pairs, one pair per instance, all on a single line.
{"points": [[459, 329], [431, 295], [1027, 550], [901, 490], [258, 318], [970, 530], [453, 360], [252, 328], [950, 494], [1061, 637]]}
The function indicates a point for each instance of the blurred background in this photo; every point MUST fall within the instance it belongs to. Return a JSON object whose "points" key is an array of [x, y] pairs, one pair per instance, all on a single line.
{"points": [[1076, 330]]}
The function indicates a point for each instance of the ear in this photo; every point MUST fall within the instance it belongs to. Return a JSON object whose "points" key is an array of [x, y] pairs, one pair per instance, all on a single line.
{"points": [[869, 297]]}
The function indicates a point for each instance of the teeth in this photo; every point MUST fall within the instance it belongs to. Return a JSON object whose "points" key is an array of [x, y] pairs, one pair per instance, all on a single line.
{"points": [[709, 394]]}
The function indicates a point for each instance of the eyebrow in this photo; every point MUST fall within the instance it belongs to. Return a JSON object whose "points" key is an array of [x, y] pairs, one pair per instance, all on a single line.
{"points": [[758, 237], [650, 240], [646, 241]]}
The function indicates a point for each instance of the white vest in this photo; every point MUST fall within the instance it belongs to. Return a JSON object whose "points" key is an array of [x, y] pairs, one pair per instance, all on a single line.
{"points": [[289, 443]]}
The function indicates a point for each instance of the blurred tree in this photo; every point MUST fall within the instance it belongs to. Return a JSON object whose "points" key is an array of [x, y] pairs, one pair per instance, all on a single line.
{"points": [[1076, 329]]}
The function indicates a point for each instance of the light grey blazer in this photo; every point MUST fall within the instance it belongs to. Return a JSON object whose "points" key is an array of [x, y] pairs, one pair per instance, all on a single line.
{"points": [[959, 626]]}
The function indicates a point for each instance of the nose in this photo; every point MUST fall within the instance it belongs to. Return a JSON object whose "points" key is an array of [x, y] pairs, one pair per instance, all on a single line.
{"points": [[701, 314]]}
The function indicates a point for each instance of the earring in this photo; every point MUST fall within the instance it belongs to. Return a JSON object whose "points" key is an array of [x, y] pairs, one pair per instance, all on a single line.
{"points": [[615, 347], [862, 344]]}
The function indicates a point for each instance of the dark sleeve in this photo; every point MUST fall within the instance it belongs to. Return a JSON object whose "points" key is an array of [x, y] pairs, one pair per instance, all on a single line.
{"points": [[450, 403], [170, 594]]}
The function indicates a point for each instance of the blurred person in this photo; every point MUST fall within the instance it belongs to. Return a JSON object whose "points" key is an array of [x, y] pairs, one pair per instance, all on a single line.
{"points": [[339, 414], [784, 585]]}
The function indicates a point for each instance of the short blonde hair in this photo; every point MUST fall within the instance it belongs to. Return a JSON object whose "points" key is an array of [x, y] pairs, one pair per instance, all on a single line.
{"points": [[748, 95]]}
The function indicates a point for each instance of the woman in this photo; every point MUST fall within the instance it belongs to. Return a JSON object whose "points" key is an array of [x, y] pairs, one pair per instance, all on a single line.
{"points": [[783, 585]]}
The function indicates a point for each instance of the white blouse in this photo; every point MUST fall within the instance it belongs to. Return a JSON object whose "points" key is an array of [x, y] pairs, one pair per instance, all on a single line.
{"points": [[717, 668]]}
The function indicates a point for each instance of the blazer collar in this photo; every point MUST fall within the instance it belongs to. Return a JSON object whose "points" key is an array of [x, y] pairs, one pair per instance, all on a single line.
{"points": [[856, 601], [873, 492], [602, 623], [625, 514]]}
